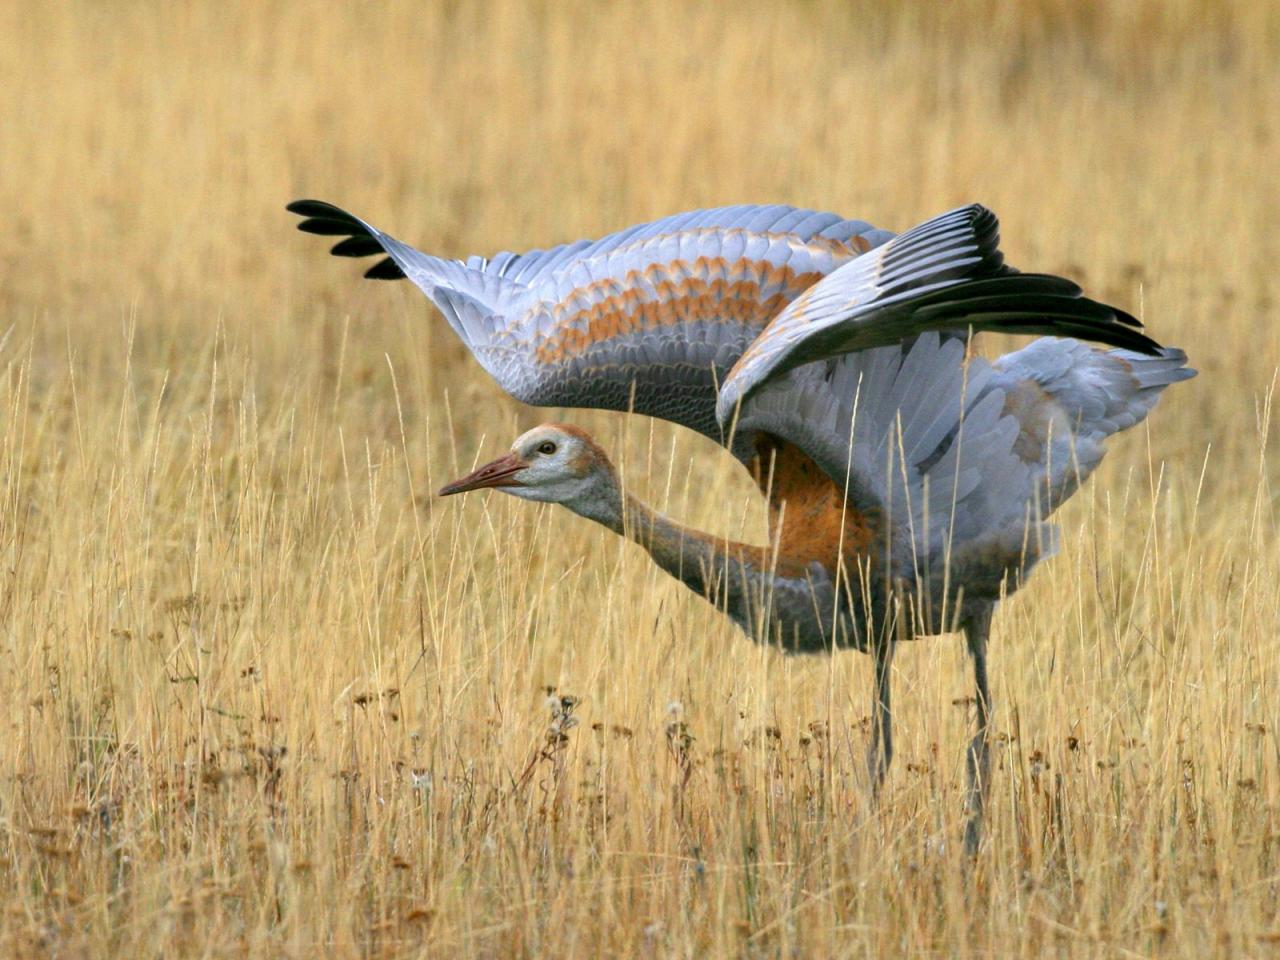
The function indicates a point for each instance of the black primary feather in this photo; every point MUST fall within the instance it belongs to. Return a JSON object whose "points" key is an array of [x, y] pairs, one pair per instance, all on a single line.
{"points": [[327, 220]]}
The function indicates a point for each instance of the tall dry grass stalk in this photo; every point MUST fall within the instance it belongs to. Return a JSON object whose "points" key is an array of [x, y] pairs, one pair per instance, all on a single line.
{"points": [[263, 696]]}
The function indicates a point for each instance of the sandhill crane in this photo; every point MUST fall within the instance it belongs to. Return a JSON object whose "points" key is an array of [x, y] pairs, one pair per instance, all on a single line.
{"points": [[908, 482]]}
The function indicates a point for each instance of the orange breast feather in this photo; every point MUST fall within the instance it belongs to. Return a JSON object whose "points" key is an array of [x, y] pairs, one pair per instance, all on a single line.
{"points": [[815, 523]]}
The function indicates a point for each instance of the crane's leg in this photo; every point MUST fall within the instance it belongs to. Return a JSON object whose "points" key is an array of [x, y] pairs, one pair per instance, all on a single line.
{"points": [[977, 628], [880, 750]]}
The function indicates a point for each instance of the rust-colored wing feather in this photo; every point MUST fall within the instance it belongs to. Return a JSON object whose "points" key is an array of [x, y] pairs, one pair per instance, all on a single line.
{"points": [[647, 319]]}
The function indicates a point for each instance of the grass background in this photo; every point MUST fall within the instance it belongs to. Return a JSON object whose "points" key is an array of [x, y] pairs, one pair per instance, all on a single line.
{"points": [[263, 696]]}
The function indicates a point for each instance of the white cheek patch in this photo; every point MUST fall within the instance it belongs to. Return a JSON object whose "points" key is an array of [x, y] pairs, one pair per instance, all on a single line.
{"points": [[540, 494]]}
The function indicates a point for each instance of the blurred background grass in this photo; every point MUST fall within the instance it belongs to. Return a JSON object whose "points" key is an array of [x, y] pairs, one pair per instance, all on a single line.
{"points": [[264, 697]]}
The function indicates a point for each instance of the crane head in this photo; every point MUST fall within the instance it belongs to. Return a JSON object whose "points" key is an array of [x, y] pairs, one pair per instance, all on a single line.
{"points": [[553, 463]]}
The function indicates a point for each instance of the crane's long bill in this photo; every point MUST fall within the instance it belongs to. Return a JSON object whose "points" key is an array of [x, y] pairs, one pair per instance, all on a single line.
{"points": [[499, 473]]}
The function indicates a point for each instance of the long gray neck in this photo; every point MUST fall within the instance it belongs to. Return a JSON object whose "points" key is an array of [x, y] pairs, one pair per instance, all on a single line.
{"points": [[733, 576], [688, 555], [736, 577]]}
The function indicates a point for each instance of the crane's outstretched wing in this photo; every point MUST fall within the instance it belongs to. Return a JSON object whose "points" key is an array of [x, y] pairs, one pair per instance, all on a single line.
{"points": [[649, 319], [946, 273]]}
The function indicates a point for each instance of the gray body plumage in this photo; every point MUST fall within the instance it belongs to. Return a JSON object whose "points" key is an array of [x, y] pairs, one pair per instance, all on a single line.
{"points": [[964, 458]]}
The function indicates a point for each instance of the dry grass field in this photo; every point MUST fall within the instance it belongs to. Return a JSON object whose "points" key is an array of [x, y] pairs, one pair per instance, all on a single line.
{"points": [[263, 696]]}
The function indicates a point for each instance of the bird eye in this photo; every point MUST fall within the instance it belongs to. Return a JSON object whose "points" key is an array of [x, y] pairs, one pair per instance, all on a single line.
{"points": [[547, 447]]}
